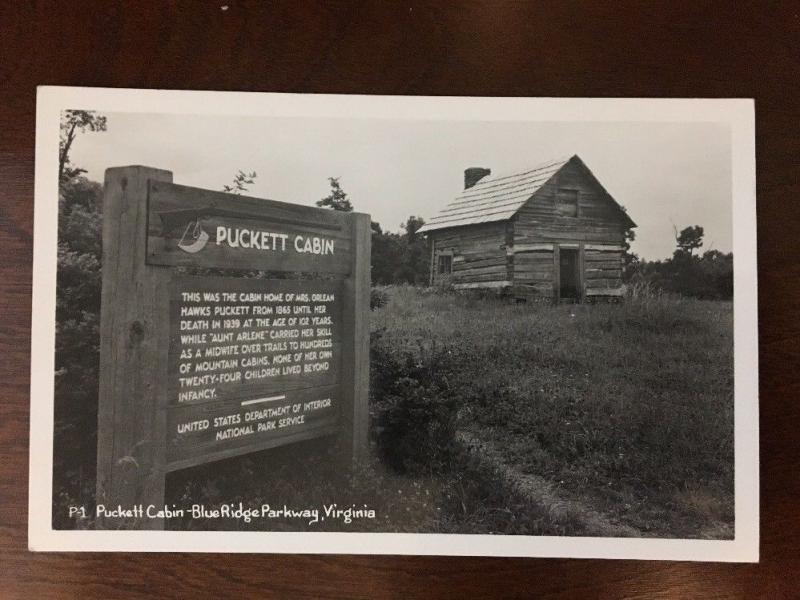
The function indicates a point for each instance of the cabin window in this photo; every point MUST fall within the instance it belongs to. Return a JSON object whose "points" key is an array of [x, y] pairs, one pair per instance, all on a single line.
{"points": [[445, 264], [567, 203]]}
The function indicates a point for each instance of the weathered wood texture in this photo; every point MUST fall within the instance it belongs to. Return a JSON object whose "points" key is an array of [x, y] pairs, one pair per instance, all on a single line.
{"points": [[355, 351], [133, 346], [598, 218], [173, 208], [535, 269], [597, 232], [683, 49], [602, 270], [478, 254]]}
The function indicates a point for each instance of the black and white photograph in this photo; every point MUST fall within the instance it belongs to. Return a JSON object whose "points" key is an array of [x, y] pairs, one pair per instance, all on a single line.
{"points": [[511, 326]]}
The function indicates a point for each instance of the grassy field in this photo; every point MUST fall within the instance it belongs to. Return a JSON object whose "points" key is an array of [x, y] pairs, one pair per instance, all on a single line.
{"points": [[491, 417], [620, 410]]}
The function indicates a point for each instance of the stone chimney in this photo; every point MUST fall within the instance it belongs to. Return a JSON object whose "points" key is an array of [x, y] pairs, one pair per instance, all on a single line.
{"points": [[473, 175]]}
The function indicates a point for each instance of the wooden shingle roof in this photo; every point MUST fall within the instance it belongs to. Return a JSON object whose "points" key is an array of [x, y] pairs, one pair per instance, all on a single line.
{"points": [[494, 198]]}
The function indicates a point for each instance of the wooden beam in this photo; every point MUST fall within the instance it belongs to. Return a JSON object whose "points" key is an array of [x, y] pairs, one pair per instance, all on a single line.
{"points": [[582, 273], [603, 247], [556, 275], [134, 342], [355, 406], [487, 284], [518, 248], [620, 291], [432, 242]]}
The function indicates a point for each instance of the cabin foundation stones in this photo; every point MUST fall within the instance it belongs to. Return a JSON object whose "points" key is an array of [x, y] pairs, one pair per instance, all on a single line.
{"points": [[551, 233]]}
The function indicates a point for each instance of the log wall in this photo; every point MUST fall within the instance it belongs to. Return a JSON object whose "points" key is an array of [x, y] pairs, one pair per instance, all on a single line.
{"points": [[602, 270], [539, 232], [478, 254]]}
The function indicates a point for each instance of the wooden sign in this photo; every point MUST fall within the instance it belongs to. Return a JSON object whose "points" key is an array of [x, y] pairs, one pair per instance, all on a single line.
{"points": [[200, 368], [201, 228]]}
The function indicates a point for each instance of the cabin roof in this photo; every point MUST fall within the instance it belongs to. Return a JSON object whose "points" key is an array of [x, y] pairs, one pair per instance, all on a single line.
{"points": [[499, 198]]}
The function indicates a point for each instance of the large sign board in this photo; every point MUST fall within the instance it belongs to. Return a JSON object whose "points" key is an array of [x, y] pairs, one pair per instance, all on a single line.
{"points": [[206, 351]]}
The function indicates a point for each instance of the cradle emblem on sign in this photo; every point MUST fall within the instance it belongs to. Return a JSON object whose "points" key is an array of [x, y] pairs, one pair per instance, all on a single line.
{"points": [[194, 238]]}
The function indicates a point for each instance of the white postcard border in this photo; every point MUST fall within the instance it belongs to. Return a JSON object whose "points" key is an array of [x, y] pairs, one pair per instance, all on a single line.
{"points": [[738, 113]]}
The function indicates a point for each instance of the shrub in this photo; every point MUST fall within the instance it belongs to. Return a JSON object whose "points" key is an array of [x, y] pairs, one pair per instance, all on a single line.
{"points": [[416, 427], [413, 407], [708, 277], [77, 347], [377, 298]]}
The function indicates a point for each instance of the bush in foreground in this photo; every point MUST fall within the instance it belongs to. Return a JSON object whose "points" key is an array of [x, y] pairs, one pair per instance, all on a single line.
{"points": [[414, 409], [416, 428]]}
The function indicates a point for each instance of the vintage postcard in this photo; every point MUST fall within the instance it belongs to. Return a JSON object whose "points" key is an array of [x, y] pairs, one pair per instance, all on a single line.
{"points": [[394, 325]]}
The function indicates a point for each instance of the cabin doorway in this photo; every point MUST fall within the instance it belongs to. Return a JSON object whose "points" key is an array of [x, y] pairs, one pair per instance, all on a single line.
{"points": [[569, 277]]}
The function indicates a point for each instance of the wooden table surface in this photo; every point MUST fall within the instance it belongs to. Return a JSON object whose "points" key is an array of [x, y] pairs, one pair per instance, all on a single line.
{"points": [[677, 49]]}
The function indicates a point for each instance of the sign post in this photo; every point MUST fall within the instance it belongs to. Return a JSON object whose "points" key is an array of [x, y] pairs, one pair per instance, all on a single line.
{"points": [[200, 368]]}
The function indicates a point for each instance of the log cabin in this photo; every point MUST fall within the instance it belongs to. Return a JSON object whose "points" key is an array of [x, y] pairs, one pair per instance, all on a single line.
{"points": [[551, 232]]}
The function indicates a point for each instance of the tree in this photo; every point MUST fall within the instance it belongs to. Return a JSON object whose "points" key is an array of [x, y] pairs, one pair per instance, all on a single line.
{"points": [[630, 260], [689, 239], [709, 276], [74, 122], [80, 220], [387, 252], [717, 272], [416, 263], [400, 257], [337, 199], [411, 226], [396, 257], [241, 182], [77, 342]]}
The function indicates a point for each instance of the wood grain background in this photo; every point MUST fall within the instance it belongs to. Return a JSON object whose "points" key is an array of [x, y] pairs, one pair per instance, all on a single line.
{"points": [[683, 49]]}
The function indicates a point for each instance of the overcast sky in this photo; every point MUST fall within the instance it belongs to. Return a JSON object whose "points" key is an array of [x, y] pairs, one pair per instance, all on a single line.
{"points": [[663, 173]]}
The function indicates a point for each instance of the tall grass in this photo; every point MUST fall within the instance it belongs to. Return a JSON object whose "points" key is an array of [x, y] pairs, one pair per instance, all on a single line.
{"points": [[629, 404]]}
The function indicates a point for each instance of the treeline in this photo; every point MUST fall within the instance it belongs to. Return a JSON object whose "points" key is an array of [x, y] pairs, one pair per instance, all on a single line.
{"points": [[707, 276], [77, 352], [396, 257], [400, 257]]}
